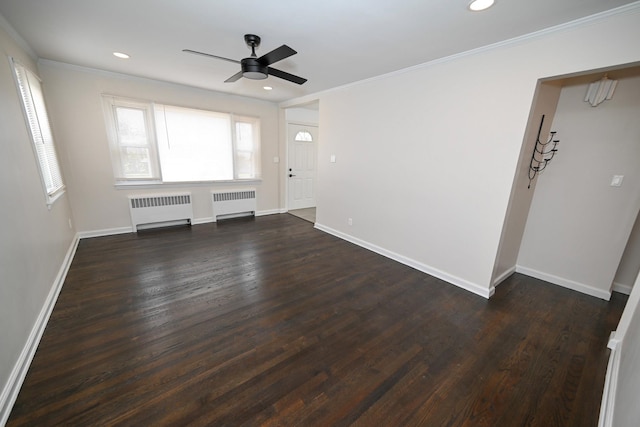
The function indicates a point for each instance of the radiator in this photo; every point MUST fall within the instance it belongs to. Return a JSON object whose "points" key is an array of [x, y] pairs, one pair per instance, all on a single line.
{"points": [[232, 204], [160, 209]]}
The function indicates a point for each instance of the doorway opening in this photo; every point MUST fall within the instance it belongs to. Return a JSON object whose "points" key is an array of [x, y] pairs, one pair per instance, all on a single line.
{"points": [[572, 226]]}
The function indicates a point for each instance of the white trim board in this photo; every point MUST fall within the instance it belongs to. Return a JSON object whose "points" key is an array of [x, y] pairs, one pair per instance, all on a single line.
{"points": [[270, 212], [21, 367], [616, 344], [504, 276], [607, 405], [129, 229], [623, 289], [206, 220], [565, 283], [104, 232], [457, 281]]}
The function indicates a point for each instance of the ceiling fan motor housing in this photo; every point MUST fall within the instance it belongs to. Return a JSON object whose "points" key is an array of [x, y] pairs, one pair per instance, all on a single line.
{"points": [[254, 70]]}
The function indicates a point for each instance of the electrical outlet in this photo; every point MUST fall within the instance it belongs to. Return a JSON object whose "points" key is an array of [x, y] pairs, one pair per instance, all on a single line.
{"points": [[350, 221], [70, 225]]}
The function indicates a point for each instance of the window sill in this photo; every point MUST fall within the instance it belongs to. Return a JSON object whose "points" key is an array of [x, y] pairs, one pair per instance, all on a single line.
{"points": [[157, 184], [52, 198]]}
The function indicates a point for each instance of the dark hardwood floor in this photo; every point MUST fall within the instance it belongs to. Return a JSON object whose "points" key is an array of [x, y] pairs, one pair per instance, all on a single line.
{"points": [[268, 321]]}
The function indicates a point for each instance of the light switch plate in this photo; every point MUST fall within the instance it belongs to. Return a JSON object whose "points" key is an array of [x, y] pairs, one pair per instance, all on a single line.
{"points": [[616, 180], [333, 158]]}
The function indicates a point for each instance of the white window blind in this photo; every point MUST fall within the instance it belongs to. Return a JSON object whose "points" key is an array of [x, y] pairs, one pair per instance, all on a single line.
{"points": [[40, 130], [194, 145]]}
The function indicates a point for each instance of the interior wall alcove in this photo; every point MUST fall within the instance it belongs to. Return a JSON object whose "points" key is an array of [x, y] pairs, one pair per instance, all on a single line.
{"points": [[572, 228]]}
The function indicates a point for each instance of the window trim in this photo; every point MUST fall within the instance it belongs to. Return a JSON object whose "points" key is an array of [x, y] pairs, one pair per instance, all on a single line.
{"points": [[181, 184], [257, 153], [44, 161], [110, 102]]}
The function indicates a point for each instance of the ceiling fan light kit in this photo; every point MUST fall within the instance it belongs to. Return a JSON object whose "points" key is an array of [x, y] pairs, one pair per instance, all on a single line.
{"points": [[255, 68], [252, 69]]}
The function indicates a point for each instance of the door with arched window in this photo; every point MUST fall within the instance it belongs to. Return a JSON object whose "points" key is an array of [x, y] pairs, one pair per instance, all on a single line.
{"points": [[301, 172]]}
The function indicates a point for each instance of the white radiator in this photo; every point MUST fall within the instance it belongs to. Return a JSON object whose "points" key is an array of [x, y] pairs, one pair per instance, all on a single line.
{"points": [[160, 209], [232, 204]]}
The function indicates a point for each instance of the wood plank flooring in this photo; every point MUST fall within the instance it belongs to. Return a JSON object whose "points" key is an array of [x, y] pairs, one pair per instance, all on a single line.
{"points": [[270, 322]]}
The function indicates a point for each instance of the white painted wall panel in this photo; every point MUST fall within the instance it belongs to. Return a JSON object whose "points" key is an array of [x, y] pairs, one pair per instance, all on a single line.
{"points": [[34, 239], [427, 157]]}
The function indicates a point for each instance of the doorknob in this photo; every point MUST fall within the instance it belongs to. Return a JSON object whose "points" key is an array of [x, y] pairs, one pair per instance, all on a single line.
{"points": [[290, 175]]}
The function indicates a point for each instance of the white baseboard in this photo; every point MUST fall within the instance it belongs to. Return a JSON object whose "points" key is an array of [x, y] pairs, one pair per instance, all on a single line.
{"points": [[105, 232], [501, 278], [124, 230], [461, 283], [197, 221], [20, 369], [623, 289], [270, 212], [565, 283], [257, 213]]}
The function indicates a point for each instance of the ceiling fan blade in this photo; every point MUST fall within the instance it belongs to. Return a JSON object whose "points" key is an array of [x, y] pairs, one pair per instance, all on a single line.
{"points": [[276, 55], [234, 78], [286, 76], [210, 55]]}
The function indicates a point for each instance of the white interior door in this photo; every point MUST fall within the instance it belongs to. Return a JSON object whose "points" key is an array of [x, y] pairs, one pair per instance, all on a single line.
{"points": [[301, 170]]}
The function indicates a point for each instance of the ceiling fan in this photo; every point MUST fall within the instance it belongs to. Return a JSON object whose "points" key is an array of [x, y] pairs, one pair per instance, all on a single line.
{"points": [[255, 68]]}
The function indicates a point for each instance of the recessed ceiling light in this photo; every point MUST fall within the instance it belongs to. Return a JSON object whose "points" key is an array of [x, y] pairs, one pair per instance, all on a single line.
{"points": [[121, 55], [478, 5], [267, 88]]}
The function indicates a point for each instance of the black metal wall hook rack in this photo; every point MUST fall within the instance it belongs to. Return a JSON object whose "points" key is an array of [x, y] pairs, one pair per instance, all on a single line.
{"points": [[543, 152]]}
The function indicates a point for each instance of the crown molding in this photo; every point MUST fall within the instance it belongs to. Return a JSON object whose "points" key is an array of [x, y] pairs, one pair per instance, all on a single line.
{"points": [[22, 43]]}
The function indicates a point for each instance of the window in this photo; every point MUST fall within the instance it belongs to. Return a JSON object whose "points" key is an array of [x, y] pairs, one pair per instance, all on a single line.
{"points": [[40, 130], [303, 136], [135, 151], [160, 143]]}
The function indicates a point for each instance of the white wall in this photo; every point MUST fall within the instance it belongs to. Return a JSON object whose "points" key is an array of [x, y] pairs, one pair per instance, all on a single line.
{"points": [[302, 115], [578, 224], [35, 240], [426, 158], [77, 116]]}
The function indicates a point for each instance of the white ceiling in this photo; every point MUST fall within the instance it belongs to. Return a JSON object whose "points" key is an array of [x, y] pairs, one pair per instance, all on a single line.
{"points": [[338, 41]]}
